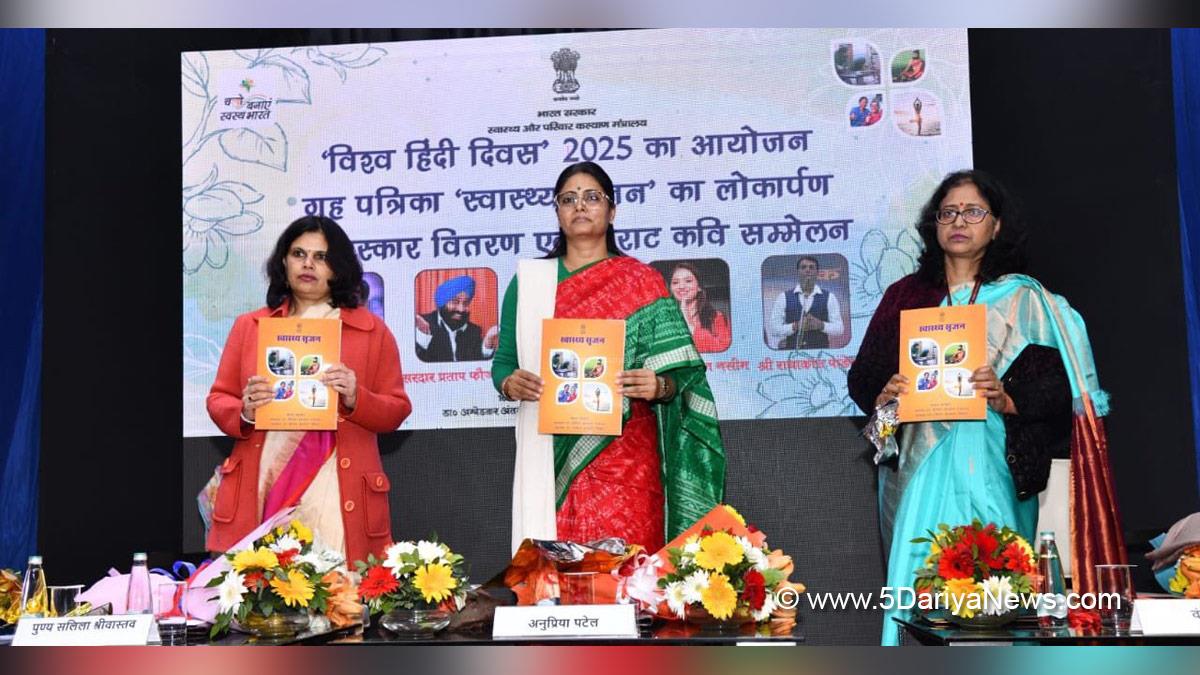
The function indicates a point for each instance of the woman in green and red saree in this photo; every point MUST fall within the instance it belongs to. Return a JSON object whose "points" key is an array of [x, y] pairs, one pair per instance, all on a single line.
{"points": [[667, 468]]}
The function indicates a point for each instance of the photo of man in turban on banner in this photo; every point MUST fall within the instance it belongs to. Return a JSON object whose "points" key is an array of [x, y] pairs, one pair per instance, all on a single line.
{"points": [[447, 334]]}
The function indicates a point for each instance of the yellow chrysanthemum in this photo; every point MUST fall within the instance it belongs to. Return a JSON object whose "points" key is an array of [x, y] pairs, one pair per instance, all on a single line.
{"points": [[435, 582], [302, 533], [717, 550], [263, 558], [295, 591], [719, 598], [735, 514], [963, 597]]}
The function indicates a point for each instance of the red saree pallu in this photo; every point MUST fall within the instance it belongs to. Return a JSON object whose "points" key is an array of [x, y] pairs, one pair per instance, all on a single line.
{"points": [[667, 467]]}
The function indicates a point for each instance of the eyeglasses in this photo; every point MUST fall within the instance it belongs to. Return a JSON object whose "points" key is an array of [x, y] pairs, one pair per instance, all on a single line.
{"points": [[591, 198], [300, 255], [972, 215]]}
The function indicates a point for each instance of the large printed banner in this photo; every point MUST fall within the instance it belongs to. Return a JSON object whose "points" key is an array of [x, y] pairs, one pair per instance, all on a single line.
{"points": [[772, 176]]}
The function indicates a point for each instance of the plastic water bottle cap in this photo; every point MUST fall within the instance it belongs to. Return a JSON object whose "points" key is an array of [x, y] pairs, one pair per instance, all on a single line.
{"points": [[139, 557], [35, 560], [1048, 534]]}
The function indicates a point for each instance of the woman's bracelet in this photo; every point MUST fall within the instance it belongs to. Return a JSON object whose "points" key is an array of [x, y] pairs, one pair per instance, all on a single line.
{"points": [[666, 388], [504, 388], [245, 419]]}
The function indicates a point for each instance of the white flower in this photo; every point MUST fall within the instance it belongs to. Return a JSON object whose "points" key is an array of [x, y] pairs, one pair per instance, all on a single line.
{"points": [[285, 543], [322, 561], [692, 546], [757, 558], [996, 591], [768, 607], [429, 551], [675, 598], [332, 558], [230, 592], [693, 585], [392, 556]]}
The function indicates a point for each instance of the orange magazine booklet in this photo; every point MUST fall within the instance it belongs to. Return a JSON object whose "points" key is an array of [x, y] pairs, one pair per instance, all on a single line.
{"points": [[939, 349], [580, 362], [292, 353]]}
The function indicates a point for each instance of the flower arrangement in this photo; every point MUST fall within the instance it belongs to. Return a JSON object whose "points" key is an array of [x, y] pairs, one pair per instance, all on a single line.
{"points": [[974, 570], [10, 596], [1186, 581], [725, 574], [281, 571], [413, 575]]}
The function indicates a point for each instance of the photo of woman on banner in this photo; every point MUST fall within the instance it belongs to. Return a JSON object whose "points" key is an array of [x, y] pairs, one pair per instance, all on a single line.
{"points": [[701, 287], [1040, 384], [667, 468], [334, 478]]}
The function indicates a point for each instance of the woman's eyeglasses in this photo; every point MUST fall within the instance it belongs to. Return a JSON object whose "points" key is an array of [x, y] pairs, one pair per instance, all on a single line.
{"points": [[972, 215], [591, 198]]}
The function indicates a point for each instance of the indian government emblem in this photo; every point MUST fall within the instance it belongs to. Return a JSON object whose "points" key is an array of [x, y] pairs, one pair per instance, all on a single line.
{"points": [[565, 61]]}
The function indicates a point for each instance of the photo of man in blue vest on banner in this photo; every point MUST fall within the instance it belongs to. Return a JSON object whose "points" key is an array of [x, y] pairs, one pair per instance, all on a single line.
{"points": [[807, 316]]}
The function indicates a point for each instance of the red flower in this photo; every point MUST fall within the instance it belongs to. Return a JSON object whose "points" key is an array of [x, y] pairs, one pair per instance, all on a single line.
{"points": [[1015, 559], [1083, 619], [755, 592], [253, 580], [378, 581], [987, 546], [286, 557], [956, 562]]}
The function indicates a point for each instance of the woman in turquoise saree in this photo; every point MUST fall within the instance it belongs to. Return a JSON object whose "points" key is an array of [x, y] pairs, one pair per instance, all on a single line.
{"points": [[1040, 383]]}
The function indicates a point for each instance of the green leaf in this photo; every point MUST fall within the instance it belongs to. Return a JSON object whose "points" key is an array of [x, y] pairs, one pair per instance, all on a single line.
{"points": [[773, 577]]}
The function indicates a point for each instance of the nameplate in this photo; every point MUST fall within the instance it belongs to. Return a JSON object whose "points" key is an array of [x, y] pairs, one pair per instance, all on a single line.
{"points": [[122, 630], [1162, 616], [565, 621]]}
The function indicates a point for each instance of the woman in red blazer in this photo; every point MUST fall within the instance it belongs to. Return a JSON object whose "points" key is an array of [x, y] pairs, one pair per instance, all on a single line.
{"points": [[334, 478]]}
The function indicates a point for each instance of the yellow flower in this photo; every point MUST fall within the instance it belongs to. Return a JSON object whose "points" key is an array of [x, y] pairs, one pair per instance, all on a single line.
{"points": [[302, 533], [1179, 583], [293, 590], [263, 558], [1028, 550], [963, 597], [717, 550], [719, 598], [732, 511], [934, 550], [435, 582]]}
